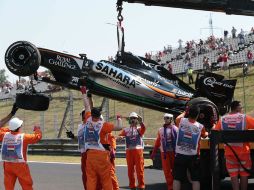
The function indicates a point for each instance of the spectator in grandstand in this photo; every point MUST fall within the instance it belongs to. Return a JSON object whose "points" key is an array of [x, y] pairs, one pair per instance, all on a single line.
{"points": [[206, 64], [148, 55], [20, 86], [14, 155], [225, 59], [7, 91], [190, 75], [190, 65], [187, 148], [236, 120], [134, 150], [241, 37], [186, 67], [220, 60], [187, 57], [165, 141], [110, 58], [252, 30], [249, 58], [160, 54], [225, 34], [212, 42], [233, 32], [165, 50], [230, 47], [170, 66], [241, 32], [188, 46], [201, 42], [178, 57]]}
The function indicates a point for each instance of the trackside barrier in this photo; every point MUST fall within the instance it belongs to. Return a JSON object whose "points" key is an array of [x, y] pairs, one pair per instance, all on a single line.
{"points": [[222, 137], [70, 148]]}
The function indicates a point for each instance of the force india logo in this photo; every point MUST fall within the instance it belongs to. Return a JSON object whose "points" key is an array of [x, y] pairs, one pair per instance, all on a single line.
{"points": [[64, 62], [114, 74]]}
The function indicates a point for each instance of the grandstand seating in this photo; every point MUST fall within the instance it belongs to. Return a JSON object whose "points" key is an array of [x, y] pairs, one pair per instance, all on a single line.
{"points": [[238, 57]]}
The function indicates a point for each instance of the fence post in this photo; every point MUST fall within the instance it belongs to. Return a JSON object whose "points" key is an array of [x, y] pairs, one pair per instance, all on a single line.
{"points": [[64, 120], [42, 125], [244, 101], [107, 109], [141, 113], [71, 111], [55, 123]]}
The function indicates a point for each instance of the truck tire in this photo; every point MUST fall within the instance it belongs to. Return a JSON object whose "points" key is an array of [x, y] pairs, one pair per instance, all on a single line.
{"points": [[32, 101], [22, 58], [209, 113]]}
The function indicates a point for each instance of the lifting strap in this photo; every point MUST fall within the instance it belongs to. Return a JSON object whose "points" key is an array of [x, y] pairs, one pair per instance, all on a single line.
{"points": [[120, 30]]}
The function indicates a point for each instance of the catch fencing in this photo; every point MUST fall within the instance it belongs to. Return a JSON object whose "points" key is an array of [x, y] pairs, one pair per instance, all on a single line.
{"points": [[64, 114]]}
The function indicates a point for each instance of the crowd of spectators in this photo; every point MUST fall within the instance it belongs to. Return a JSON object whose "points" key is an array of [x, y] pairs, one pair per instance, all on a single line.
{"points": [[194, 48], [6, 87]]}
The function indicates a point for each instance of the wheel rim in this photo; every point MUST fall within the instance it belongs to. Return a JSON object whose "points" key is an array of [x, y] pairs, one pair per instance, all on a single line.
{"points": [[22, 58], [21, 55]]}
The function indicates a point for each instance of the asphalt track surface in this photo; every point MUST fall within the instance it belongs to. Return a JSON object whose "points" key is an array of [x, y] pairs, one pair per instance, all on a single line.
{"points": [[53, 176]]}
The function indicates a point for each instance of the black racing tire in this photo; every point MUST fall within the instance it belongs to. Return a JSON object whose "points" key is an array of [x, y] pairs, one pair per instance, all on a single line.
{"points": [[32, 101], [209, 113], [22, 58]]}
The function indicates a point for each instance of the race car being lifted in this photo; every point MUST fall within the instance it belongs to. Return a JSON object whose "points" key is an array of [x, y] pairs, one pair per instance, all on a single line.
{"points": [[129, 78]]}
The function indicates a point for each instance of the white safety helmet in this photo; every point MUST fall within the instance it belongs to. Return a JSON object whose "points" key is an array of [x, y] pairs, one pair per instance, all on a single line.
{"points": [[133, 114], [168, 115], [15, 123]]}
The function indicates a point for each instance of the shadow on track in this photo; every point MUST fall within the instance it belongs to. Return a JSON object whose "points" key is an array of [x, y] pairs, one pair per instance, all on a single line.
{"points": [[151, 186]]}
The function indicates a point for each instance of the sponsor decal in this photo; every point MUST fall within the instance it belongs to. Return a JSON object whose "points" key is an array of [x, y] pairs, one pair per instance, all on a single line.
{"points": [[74, 80], [211, 81], [174, 82], [64, 62], [180, 92], [150, 65], [115, 74], [156, 83], [146, 64]]}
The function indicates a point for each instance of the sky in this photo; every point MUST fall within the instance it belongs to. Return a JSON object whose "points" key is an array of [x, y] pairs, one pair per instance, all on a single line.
{"points": [[88, 26]]}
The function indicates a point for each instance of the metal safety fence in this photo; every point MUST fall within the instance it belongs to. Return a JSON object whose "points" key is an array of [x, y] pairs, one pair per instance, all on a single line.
{"points": [[67, 147]]}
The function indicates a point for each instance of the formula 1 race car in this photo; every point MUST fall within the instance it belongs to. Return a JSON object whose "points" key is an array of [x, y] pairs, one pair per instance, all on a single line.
{"points": [[129, 78]]}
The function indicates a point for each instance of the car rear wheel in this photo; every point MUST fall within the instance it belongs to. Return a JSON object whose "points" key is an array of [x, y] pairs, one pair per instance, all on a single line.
{"points": [[209, 113], [32, 101], [22, 58]]}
